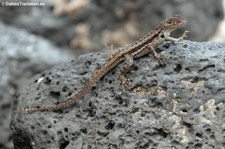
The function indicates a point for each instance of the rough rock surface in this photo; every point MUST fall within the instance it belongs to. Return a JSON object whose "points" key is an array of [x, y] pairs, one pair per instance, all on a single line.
{"points": [[22, 55], [122, 19], [180, 105]]}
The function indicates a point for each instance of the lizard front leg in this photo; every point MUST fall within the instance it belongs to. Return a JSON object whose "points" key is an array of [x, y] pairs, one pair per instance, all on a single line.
{"points": [[184, 35], [129, 61], [155, 54]]}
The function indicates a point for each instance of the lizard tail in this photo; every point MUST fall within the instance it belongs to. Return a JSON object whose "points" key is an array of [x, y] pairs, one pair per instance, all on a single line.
{"points": [[87, 87], [49, 108], [70, 101]]}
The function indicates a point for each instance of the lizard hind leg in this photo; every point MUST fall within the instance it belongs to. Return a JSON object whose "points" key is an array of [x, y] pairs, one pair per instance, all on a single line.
{"points": [[128, 64], [157, 56], [112, 52]]}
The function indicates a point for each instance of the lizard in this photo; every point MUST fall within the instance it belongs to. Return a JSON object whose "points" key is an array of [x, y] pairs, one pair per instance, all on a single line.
{"points": [[141, 47]]}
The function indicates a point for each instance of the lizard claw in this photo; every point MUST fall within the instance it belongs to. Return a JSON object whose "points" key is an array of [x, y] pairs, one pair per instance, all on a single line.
{"points": [[112, 52], [184, 35], [160, 59], [124, 81]]}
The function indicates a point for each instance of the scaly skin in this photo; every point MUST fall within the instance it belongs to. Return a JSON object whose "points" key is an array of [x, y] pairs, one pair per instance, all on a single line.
{"points": [[143, 46]]}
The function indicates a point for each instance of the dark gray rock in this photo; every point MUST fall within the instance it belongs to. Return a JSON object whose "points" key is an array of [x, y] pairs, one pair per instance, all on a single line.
{"points": [[22, 55], [180, 105], [105, 15]]}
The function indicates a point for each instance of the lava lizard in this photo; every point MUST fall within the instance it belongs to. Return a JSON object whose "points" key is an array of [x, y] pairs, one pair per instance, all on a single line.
{"points": [[143, 46]]}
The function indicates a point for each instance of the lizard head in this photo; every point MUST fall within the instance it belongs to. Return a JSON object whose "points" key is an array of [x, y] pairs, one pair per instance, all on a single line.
{"points": [[173, 23]]}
